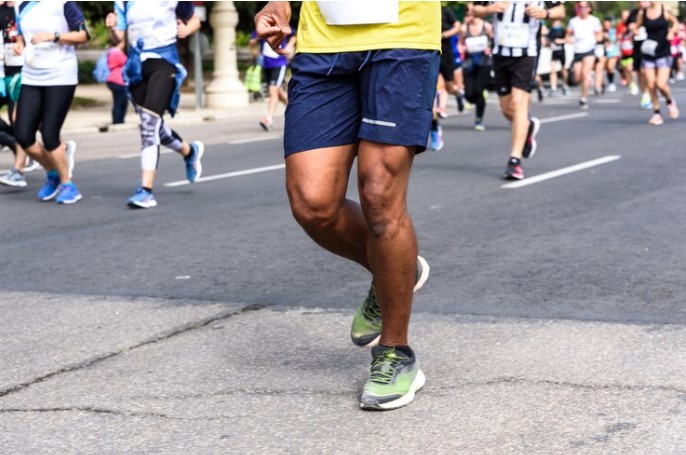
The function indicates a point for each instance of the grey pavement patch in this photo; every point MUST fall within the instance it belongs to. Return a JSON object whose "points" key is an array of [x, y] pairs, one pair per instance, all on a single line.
{"points": [[288, 382], [101, 328]]}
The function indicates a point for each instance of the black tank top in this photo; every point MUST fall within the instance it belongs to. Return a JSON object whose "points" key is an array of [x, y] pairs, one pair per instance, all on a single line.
{"points": [[657, 30]]}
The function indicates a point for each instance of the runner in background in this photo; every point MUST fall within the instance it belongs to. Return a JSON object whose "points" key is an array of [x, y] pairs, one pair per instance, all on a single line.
{"points": [[155, 75], [515, 53], [639, 35], [585, 30], [450, 28], [11, 66], [626, 49], [600, 63], [612, 53], [48, 34], [116, 60], [274, 68], [678, 65], [557, 37], [476, 36], [661, 26], [458, 73]]}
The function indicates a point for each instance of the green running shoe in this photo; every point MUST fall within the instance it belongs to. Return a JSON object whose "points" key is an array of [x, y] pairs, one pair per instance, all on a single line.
{"points": [[394, 379], [366, 326]]}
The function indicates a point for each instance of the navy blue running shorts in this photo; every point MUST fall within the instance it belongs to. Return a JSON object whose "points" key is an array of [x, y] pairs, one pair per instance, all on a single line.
{"points": [[384, 96]]}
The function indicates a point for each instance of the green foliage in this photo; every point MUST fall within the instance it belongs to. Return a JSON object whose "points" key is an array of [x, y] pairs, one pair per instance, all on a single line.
{"points": [[243, 38], [86, 68]]}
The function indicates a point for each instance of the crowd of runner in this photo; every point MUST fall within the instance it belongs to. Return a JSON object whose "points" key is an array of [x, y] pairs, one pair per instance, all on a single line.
{"points": [[642, 51]]}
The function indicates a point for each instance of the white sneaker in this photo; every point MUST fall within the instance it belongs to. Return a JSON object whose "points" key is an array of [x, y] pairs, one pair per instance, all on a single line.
{"points": [[679, 76], [633, 89], [71, 151], [31, 165], [612, 88]]}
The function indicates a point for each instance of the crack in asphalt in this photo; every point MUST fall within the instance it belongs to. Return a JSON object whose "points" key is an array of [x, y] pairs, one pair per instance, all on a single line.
{"points": [[572, 385], [195, 325], [106, 411]]}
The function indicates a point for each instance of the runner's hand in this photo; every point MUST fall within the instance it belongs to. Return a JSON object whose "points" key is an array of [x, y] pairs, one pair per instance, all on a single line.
{"points": [[499, 7], [535, 12], [182, 30], [272, 24], [42, 37], [18, 48], [111, 21]]}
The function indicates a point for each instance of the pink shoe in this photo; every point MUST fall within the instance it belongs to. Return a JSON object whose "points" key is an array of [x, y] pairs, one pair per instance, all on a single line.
{"points": [[656, 120], [673, 110]]}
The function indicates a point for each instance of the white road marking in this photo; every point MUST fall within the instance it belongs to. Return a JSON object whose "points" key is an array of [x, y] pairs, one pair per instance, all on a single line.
{"points": [[561, 172], [138, 155], [562, 118], [236, 142], [255, 139], [228, 175]]}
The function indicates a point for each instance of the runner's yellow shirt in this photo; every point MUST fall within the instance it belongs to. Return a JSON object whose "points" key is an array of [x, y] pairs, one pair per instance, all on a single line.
{"points": [[418, 27]]}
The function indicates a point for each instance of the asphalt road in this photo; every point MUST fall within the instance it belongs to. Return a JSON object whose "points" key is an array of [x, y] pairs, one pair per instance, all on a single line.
{"points": [[602, 243], [552, 322]]}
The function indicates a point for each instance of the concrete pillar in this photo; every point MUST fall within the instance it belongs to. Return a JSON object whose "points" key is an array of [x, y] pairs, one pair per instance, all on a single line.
{"points": [[226, 90]]}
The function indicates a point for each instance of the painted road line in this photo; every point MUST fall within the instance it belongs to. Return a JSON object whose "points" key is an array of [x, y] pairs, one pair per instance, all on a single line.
{"points": [[561, 172], [562, 118], [236, 142], [138, 155], [249, 140], [229, 175]]}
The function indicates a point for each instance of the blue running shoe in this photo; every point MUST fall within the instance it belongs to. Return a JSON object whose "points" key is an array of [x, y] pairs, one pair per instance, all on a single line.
{"points": [[68, 194], [50, 188], [437, 139], [193, 161], [143, 199]]}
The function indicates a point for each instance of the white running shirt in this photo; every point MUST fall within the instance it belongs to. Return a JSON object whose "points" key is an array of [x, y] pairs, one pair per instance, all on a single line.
{"points": [[584, 33]]}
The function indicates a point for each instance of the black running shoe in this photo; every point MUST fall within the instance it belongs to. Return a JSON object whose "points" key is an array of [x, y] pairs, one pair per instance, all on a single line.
{"points": [[460, 102], [530, 146], [513, 171]]}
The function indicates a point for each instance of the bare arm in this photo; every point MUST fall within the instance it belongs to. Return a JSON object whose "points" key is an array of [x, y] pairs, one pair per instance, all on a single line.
{"points": [[556, 12], [111, 23], [451, 32], [494, 8], [639, 20], [184, 30], [69, 38], [674, 29], [272, 24]]}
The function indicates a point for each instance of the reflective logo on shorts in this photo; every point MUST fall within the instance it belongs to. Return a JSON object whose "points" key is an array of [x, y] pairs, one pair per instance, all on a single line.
{"points": [[379, 122]]}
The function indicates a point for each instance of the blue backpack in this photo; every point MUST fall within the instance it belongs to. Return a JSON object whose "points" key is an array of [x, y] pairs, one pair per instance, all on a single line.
{"points": [[102, 69]]}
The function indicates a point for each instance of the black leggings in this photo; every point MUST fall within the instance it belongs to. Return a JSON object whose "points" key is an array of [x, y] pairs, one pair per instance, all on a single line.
{"points": [[44, 108], [155, 91], [475, 81]]}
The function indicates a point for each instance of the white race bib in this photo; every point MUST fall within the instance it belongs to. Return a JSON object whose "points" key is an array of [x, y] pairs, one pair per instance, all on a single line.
{"points": [[10, 58], [555, 47], [649, 47], [353, 12], [641, 34], [267, 51], [43, 56], [144, 31], [599, 50], [627, 45], [513, 35], [476, 44]]}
